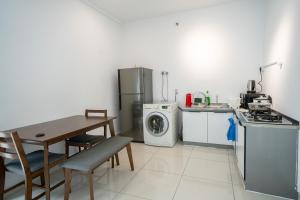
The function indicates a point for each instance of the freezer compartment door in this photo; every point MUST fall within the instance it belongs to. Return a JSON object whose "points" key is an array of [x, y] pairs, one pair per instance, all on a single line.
{"points": [[130, 81], [131, 116]]}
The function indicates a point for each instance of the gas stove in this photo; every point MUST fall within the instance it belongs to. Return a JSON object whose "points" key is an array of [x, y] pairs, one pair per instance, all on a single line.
{"points": [[265, 117]]}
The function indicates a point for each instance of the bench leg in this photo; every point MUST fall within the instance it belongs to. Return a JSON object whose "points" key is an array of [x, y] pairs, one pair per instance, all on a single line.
{"points": [[129, 152], [67, 173], [112, 162], [91, 186], [117, 159]]}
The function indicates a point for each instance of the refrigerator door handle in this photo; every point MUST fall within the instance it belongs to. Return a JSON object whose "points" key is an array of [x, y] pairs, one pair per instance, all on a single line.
{"points": [[120, 94], [120, 102]]}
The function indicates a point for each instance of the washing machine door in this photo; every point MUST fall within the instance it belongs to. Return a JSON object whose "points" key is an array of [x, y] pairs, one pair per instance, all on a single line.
{"points": [[157, 124]]}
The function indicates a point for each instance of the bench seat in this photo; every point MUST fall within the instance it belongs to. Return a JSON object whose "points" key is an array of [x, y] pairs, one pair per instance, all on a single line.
{"points": [[88, 160]]}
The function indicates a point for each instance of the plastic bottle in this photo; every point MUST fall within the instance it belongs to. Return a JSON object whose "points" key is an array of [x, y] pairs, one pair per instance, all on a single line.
{"points": [[207, 98]]}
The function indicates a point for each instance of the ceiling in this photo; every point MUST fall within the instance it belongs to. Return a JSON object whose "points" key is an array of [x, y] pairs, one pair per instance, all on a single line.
{"points": [[131, 10]]}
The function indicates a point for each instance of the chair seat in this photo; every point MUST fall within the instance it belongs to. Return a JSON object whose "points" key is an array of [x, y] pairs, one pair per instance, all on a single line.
{"points": [[87, 139], [35, 160]]}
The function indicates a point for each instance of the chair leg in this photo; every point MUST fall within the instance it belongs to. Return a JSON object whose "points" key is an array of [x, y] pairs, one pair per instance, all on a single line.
{"points": [[91, 186], [42, 177], [112, 162], [79, 149], [2, 178], [67, 174], [129, 152], [105, 131], [67, 148], [28, 188]]}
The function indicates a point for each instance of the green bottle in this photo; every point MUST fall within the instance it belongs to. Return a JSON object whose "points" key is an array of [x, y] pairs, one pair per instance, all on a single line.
{"points": [[207, 98]]}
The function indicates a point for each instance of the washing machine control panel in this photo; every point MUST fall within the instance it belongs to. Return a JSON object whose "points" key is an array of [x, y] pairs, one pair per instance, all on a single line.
{"points": [[164, 107]]}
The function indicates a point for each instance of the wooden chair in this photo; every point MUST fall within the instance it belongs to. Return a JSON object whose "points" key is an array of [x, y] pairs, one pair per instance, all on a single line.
{"points": [[85, 140], [28, 165]]}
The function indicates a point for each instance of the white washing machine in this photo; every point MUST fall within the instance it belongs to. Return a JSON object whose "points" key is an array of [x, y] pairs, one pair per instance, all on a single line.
{"points": [[160, 124]]}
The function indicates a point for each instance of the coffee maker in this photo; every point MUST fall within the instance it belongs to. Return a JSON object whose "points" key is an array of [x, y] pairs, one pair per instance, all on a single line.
{"points": [[251, 95]]}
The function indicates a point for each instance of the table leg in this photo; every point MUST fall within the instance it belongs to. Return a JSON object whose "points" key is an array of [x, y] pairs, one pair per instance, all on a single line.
{"points": [[2, 178], [46, 171], [112, 133]]}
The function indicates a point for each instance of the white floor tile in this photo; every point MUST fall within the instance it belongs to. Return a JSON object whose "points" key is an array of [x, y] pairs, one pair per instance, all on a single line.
{"points": [[235, 174], [208, 173], [128, 197], [195, 189], [210, 154], [206, 169], [241, 194], [168, 164], [142, 148], [176, 151], [139, 160], [153, 185], [83, 194], [114, 180]]}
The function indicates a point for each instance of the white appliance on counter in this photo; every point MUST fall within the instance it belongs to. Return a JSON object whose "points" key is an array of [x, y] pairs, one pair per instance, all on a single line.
{"points": [[160, 124]]}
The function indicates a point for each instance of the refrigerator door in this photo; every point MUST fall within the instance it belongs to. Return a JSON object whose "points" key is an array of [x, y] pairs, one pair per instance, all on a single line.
{"points": [[131, 116], [131, 81], [147, 85]]}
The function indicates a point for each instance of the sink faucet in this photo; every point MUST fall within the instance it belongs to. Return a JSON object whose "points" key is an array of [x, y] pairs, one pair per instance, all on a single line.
{"points": [[204, 97]]}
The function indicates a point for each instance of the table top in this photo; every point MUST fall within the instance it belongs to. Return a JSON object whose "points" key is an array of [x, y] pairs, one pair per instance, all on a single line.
{"points": [[58, 130]]}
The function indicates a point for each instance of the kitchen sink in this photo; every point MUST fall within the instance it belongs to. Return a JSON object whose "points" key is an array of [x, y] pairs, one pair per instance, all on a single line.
{"points": [[213, 106]]}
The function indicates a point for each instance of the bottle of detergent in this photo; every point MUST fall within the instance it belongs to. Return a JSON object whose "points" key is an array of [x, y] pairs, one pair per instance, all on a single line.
{"points": [[207, 98]]}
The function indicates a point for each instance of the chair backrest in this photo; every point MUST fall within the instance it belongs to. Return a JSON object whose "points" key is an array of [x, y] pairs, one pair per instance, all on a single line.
{"points": [[104, 112], [11, 148]]}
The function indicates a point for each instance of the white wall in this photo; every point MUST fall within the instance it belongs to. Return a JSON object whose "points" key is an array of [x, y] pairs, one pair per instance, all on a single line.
{"points": [[282, 44], [57, 58], [217, 48]]}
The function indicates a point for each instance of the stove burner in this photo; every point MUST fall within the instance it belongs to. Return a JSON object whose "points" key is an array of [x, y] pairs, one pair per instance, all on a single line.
{"points": [[268, 118], [264, 116]]}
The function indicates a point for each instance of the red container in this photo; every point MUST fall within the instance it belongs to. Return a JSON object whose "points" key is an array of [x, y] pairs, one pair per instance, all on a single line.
{"points": [[188, 100]]}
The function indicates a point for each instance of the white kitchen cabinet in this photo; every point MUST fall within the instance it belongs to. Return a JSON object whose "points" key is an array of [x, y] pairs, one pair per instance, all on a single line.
{"points": [[240, 148], [218, 125], [194, 127]]}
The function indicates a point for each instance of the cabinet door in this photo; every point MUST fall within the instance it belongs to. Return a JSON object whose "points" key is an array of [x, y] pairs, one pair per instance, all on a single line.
{"points": [[218, 125], [240, 149], [194, 127]]}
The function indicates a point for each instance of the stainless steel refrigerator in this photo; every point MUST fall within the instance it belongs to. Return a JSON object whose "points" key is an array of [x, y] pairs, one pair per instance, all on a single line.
{"points": [[135, 89]]}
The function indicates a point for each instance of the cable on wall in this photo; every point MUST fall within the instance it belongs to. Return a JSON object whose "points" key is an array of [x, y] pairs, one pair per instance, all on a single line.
{"points": [[164, 75]]}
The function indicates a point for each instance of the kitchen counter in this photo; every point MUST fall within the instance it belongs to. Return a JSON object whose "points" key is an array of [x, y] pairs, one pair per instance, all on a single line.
{"points": [[217, 108], [294, 125]]}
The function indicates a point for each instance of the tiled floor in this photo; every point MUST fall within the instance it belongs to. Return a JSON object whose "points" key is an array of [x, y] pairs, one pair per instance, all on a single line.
{"points": [[179, 173]]}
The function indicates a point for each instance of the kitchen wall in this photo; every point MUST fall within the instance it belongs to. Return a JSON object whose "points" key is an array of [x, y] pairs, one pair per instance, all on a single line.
{"points": [[282, 43], [216, 48], [56, 59]]}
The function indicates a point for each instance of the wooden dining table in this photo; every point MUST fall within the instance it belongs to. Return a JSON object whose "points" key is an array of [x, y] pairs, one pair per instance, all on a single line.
{"points": [[52, 132]]}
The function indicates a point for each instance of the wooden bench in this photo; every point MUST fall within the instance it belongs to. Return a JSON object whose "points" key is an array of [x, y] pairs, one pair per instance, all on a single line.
{"points": [[87, 161]]}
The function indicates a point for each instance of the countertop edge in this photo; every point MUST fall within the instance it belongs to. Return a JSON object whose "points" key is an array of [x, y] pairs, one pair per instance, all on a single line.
{"points": [[244, 123], [223, 110]]}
